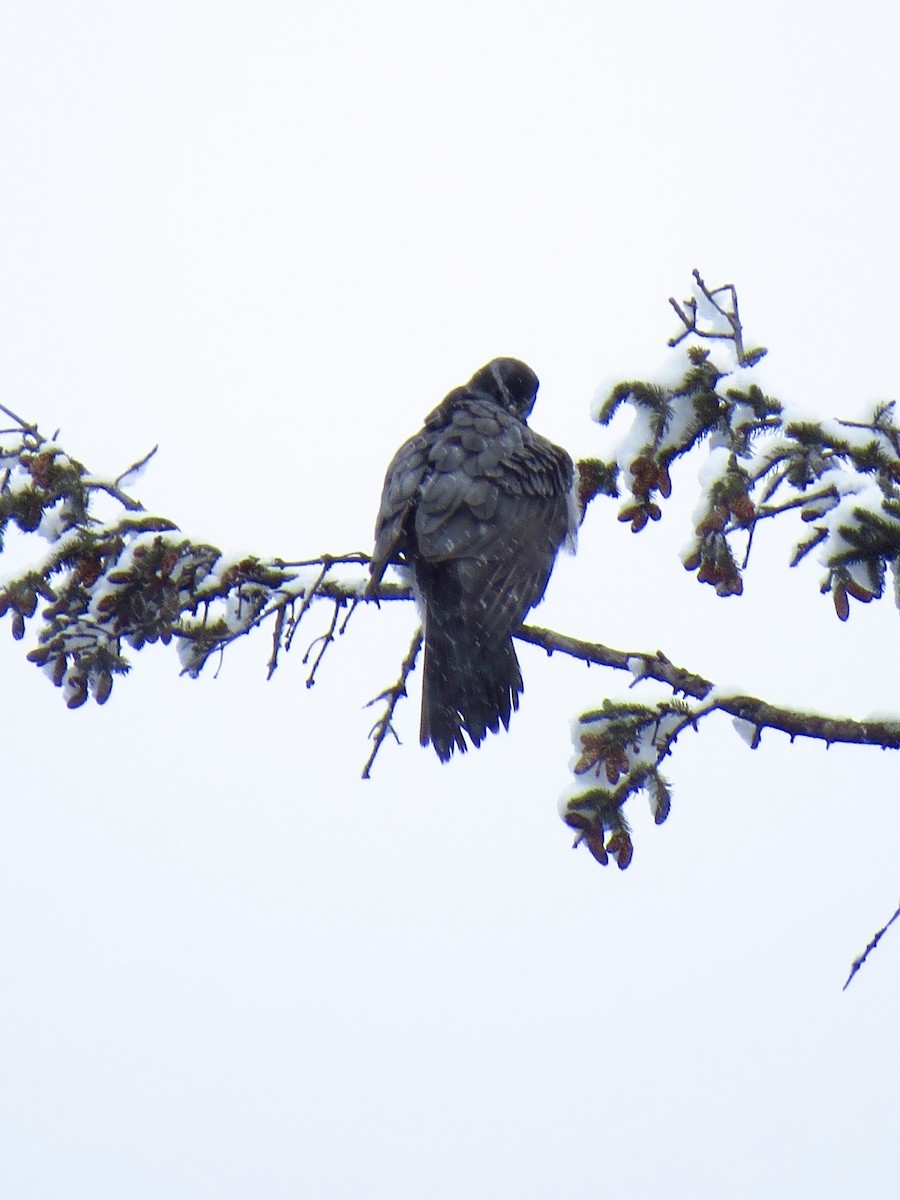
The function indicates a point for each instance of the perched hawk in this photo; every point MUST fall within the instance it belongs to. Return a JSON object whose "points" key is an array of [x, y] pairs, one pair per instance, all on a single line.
{"points": [[477, 506]]}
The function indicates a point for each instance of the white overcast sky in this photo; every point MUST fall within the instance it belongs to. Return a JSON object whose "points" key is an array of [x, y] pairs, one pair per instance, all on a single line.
{"points": [[270, 237]]}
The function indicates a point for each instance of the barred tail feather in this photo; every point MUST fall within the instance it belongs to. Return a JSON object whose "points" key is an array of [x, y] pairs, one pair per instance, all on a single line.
{"points": [[467, 688], [441, 724]]}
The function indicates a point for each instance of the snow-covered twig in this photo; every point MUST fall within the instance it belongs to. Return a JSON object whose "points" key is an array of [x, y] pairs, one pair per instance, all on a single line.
{"points": [[621, 747]]}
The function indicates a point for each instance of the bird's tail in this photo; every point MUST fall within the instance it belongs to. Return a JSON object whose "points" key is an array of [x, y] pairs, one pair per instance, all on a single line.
{"points": [[470, 686]]}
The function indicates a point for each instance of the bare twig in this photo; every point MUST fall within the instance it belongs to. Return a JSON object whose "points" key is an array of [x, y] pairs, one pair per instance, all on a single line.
{"points": [[731, 315], [311, 594], [135, 467], [384, 725], [353, 557], [276, 640], [23, 426], [323, 641], [858, 962], [350, 611], [644, 666]]}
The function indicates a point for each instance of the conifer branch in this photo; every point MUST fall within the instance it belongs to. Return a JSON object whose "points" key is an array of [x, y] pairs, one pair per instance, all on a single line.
{"points": [[753, 711], [102, 587]]}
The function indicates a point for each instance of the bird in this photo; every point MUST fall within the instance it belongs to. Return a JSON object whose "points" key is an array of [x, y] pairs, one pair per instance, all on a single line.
{"points": [[475, 507]]}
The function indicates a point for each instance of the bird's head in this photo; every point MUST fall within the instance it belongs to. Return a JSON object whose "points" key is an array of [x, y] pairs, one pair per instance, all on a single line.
{"points": [[508, 381]]}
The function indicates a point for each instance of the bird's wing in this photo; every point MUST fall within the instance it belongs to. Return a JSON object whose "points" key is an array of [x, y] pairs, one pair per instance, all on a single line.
{"points": [[398, 500], [494, 503]]}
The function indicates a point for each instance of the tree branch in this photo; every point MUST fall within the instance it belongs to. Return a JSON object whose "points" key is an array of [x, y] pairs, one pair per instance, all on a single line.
{"points": [[642, 665], [689, 317], [749, 709], [107, 585], [858, 962], [384, 725], [620, 748]]}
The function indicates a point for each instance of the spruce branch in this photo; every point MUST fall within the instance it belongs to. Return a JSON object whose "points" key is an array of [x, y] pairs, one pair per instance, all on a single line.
{"points": [[621, 747], [105, 586], [753, 711], [102, 587], [841, 476]]}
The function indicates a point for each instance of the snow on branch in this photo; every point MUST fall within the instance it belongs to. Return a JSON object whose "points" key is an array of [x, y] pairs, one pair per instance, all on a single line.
{"points": [[841, 477], [106, 586], [620, 748]]}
